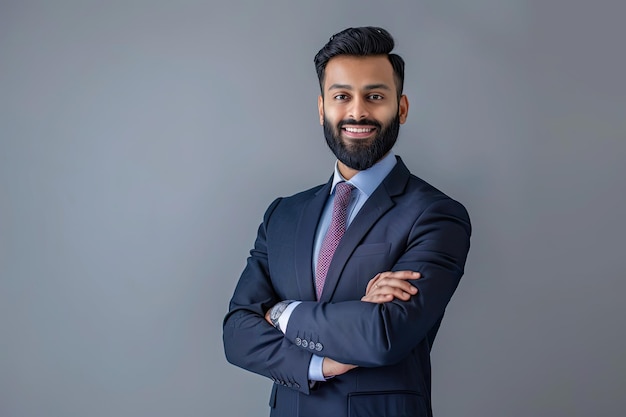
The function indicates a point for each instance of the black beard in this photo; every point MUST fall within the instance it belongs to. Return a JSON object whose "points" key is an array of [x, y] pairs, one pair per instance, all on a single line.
{"points": [[363, 154]]}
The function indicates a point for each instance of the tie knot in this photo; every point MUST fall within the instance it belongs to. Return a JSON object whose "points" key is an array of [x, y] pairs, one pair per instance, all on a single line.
{"points": [[343, 190]]}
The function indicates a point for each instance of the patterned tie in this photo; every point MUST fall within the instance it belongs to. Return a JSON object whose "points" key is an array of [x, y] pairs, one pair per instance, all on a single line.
{"points": [[333, 235]]}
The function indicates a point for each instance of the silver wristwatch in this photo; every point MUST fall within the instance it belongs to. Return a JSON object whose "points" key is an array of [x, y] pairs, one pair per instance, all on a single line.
{"points": [[277, 311]]}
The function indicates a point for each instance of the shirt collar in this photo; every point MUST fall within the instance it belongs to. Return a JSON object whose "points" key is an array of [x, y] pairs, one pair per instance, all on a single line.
{"points": [[368, 180]]}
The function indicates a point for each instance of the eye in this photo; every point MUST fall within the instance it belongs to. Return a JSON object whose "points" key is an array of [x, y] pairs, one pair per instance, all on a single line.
{"points": [[341, 97], [375, 97]]}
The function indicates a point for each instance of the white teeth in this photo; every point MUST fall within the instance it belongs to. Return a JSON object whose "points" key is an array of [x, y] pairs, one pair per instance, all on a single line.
{"points": [[357, 130]]}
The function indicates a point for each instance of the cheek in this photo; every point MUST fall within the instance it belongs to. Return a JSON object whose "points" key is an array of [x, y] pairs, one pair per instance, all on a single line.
{"points": [[386, 114], [332, 116]]}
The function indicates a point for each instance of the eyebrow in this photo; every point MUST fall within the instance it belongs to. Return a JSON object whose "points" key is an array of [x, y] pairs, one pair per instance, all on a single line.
{"points": [[367, 87]]}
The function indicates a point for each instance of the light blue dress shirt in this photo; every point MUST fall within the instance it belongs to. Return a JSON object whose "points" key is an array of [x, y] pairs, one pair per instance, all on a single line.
{"points": [[365, 182]]}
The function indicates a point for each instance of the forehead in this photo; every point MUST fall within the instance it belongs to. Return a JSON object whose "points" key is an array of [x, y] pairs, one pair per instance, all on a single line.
{"points": [[358, 71]]}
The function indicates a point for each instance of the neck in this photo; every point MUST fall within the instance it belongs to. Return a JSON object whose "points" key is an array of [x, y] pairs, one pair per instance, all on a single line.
{"points": [[345, 171]]}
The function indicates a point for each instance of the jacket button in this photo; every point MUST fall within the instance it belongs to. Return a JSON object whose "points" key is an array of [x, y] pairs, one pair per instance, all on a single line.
{"points": [[298, 341], [304, 343], [319, 347], [311, 345]]}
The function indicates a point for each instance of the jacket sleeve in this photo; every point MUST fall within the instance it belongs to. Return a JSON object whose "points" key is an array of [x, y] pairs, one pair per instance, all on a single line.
{"points": [[369, 334], [249, 341]]}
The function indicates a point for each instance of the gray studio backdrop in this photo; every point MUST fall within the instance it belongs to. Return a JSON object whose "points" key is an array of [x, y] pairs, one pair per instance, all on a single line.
{"points": [[141, 141]]}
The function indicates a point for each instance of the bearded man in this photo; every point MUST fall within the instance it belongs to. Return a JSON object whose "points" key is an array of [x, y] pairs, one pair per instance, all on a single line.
{"points": [[347, 283]]}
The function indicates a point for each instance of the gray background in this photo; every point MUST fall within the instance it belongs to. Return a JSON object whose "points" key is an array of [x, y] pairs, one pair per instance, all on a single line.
{"points": [[141, 141]]}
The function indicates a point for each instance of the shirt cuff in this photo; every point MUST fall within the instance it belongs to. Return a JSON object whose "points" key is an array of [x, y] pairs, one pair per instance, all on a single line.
{"points": [[316, 372], [283, 320]]}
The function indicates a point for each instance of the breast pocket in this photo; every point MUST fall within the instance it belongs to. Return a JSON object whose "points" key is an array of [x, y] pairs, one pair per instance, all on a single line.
{"points": [[372, 249], [387, 404]]}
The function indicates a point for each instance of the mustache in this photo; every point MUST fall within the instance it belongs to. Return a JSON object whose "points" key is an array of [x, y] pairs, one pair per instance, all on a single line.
{"points": [[362, 122]]}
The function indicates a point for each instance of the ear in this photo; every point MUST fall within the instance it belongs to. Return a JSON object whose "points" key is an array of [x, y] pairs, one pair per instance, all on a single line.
{"points": [[320, 108], [403, 109]]}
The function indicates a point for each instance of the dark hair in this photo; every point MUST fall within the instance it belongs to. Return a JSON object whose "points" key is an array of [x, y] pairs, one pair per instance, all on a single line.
{"points": [[361, 41]]}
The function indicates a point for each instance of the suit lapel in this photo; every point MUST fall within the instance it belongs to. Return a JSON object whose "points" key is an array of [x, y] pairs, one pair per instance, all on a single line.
{"points": [[305, 237], [374, 208]]}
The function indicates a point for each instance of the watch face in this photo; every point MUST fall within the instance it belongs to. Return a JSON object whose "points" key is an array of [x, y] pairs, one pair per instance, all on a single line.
{"points": [[275, 314], [277, 310]]}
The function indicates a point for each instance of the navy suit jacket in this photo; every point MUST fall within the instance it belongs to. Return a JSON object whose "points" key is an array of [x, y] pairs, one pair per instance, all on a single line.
{"points": [[406, 224]]}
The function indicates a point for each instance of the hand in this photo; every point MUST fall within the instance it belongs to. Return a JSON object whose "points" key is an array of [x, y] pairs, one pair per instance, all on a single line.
{"points": [[267, 317], [332, 368], [387, 286]]}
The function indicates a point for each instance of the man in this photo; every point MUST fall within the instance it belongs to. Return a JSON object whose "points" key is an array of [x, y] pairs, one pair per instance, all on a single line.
{"points": [[347, 283]]}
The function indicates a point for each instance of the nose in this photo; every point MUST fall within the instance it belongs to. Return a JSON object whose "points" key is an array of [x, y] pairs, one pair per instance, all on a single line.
{"points": [[358, 109]]}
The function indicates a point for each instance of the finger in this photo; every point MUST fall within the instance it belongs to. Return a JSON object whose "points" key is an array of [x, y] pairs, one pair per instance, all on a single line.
{"points": [[395, 292], [395, 283], [381, 293], [391, 282], [393, 274], [403, 293], [372, 282], [398, 288], [377, 298], [401, 274]]}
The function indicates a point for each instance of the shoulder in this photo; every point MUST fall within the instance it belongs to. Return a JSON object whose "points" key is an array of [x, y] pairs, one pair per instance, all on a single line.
{"points": [[305, 195], [437, 207], [300, 198], [423, 196], [292, 203], [419, 188]]}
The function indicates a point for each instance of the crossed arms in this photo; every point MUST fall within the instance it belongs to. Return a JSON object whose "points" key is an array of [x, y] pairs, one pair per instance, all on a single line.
{"points": [[380, 329], [384, 287]]}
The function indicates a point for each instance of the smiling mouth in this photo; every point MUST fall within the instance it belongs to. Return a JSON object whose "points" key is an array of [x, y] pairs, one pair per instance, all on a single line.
{"points": [[358, 132], [358, 129]]}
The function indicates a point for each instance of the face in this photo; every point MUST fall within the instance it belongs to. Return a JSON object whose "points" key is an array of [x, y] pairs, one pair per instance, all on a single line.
{"points": [[360, 110]]}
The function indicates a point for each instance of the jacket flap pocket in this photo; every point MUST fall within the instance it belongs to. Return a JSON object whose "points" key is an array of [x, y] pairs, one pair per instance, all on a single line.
{"points": [[388, 404]]}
